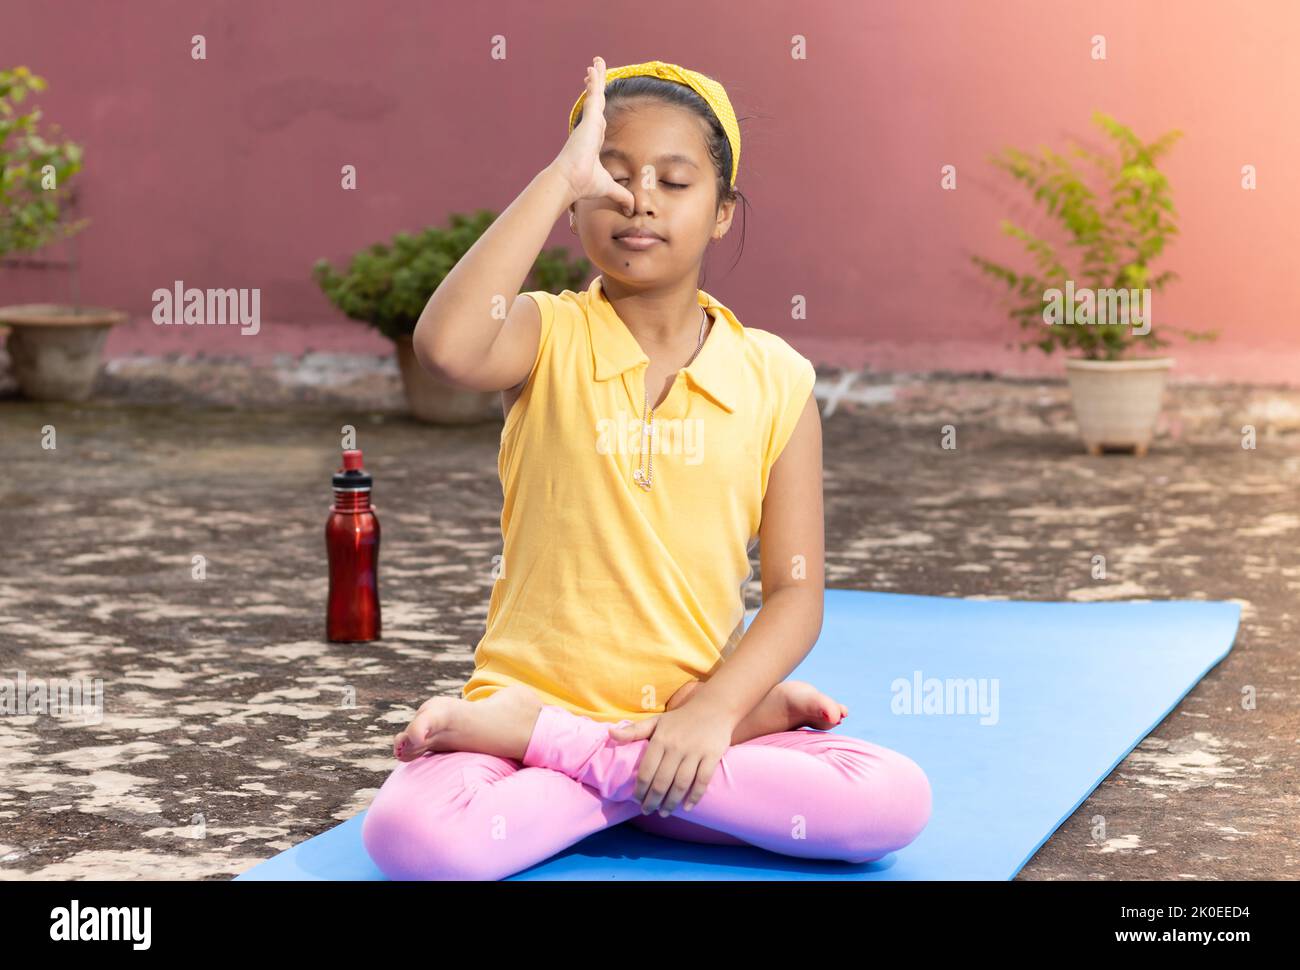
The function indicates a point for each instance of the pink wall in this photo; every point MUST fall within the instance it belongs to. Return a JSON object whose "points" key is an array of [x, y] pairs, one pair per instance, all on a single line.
{"points": [[225, 173]]}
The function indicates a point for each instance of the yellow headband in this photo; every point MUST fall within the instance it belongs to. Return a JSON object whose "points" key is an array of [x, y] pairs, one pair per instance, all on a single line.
{"points": [[707, 88]]}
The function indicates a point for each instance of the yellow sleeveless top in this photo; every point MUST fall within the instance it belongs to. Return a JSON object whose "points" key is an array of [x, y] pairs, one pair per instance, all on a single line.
{"points": [[609, 597]]}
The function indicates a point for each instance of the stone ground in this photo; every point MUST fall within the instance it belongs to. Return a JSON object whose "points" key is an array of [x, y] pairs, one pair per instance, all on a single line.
{"points": [[226, 735]]}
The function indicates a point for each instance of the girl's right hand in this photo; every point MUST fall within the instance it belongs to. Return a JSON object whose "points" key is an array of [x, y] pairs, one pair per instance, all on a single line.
{"points": [[579, 161]]}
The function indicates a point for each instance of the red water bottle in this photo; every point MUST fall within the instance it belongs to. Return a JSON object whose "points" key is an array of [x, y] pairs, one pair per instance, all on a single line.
{"points": [[352, 542]]}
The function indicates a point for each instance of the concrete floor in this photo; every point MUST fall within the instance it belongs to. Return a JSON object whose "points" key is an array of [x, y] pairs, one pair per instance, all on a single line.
{"points": [[223, 700]]}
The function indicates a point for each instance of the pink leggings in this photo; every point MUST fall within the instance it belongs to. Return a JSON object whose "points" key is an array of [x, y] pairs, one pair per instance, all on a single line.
{"points": [[806, 793]]}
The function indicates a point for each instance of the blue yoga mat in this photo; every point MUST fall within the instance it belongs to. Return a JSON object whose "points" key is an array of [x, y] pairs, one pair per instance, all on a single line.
{"points": [[1062, 692]]}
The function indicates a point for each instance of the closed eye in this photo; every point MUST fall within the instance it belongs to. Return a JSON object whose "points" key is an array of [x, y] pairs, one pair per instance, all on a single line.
{"points": [[671, 185]]}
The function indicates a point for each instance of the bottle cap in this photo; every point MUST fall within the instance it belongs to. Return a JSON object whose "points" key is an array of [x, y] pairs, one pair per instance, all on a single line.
{"points": [[352, 475]]}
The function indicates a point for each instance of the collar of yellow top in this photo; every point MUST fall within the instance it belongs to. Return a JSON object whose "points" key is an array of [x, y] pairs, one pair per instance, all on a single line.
{"points": [[715, 370]]}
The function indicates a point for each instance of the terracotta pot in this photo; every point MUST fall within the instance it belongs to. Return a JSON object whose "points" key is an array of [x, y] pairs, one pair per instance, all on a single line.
{"points": [[1117, 402], [55, 350], [437, 402]]}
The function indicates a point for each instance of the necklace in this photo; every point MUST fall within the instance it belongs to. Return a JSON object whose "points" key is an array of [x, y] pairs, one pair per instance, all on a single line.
{"points": [[645, 464]]}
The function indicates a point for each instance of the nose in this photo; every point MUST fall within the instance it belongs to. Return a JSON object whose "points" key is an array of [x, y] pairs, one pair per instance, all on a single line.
{"points": [[642, 197]]}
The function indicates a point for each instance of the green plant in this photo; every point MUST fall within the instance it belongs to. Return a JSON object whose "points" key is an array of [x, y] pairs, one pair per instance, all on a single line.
{"points": [[1116, 236], [388, 284], [34, 171]]}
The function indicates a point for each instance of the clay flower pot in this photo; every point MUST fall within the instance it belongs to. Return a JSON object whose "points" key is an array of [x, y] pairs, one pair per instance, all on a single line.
{"points": [[55, 350], [1117, 402]]}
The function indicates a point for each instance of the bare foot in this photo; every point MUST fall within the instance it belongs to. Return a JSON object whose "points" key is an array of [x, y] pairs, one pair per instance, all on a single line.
{"points": [[806, 706], [500, 724], [789, 705]]}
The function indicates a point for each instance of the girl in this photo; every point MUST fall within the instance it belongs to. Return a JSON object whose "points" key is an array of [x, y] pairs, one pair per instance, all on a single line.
{"points": [[649, 438]]}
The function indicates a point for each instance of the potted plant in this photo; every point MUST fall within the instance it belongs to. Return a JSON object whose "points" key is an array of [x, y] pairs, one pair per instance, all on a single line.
{"points": [[1099, 307], [54, 350], [388, 284]]}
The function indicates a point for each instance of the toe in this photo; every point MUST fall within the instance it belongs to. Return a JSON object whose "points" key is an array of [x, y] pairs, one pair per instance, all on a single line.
{"points": [[414, 740], [401, 746]]}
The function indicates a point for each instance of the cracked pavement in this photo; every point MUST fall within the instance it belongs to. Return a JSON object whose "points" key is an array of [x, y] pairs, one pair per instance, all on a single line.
{"points": [[232, 729]]}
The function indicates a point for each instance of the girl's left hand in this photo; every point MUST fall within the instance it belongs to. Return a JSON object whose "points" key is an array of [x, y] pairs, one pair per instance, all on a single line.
{"points": [[685, 746]]}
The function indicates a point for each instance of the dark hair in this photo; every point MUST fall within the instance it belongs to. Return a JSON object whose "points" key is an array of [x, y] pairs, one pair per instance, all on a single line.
{"points": [[670, 92]]}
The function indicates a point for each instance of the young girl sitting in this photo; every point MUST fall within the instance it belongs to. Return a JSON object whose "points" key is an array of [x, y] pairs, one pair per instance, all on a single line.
{"points": [[649, 440]]}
